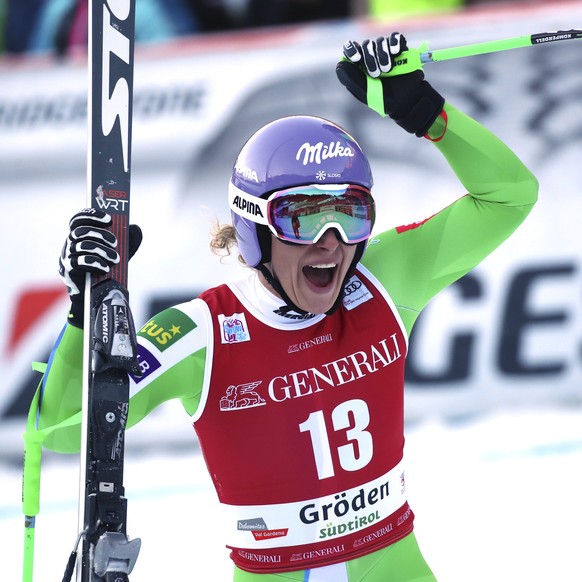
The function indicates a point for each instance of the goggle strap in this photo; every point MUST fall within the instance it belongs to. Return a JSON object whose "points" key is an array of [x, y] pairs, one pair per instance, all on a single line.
{"points": [[250, 207]]}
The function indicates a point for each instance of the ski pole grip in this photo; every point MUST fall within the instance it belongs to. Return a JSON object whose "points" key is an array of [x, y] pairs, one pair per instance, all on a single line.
{"points": [[31, 473]]}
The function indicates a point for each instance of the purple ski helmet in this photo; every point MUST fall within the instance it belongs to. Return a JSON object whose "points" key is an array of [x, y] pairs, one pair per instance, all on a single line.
{"points": [[288, 152]]}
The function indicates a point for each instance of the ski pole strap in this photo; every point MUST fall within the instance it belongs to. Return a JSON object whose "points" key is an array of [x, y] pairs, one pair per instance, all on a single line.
{"points": [[375, 95], [71, 562], [439, 127]]}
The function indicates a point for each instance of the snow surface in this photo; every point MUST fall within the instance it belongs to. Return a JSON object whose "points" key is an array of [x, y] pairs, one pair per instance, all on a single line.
{"points": [[496, 497]]}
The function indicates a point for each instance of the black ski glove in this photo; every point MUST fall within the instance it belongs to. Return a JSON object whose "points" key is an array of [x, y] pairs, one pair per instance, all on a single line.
{"points": [[408, 99], [90, 248]]}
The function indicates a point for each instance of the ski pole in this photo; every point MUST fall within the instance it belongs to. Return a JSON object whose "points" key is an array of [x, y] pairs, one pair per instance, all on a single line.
{"points": [[414, 59], [31, 471], [30, 499]]}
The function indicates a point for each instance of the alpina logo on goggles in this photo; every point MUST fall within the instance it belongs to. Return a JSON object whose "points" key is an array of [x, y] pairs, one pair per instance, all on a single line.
{"points": [[302, 214]]}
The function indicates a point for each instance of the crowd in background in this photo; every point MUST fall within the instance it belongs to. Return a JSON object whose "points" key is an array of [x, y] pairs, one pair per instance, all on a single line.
{"points": [[57, 26]]}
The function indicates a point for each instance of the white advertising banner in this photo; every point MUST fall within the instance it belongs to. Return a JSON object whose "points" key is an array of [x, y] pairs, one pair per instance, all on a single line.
{"points": [[508, 334]]}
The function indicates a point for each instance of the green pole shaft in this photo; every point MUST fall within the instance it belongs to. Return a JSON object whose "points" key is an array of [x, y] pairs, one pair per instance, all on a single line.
{"points": [[493, 46], [30, 499], [414, 59], [31, 471], [28, 558], [479, 48]]}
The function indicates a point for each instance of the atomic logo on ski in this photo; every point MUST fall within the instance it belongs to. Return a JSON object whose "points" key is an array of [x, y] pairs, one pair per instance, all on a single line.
{"points": [[166, 328]]}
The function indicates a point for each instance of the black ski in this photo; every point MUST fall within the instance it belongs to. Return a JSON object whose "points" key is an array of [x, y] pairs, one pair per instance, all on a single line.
{"points": [[107, 554]]}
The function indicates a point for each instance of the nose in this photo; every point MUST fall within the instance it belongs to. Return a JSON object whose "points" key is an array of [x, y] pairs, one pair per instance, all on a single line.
{"points": [[329, 240]]}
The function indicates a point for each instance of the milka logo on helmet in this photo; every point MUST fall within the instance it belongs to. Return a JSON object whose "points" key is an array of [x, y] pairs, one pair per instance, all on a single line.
{"points": [[315, 154]]}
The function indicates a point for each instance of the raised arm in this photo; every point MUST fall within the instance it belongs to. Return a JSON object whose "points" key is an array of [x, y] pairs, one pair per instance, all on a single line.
{"points": [[415, 262]]}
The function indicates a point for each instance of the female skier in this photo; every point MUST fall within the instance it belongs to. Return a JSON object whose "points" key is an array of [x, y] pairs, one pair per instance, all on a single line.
{"points": [[294, 376]]}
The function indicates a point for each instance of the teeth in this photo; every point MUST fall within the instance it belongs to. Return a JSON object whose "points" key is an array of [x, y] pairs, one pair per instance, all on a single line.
{"points": [[326, 266]]}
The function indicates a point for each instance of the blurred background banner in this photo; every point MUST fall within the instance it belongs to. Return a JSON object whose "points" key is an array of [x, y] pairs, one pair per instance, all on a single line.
{"points": [[507, 335]]}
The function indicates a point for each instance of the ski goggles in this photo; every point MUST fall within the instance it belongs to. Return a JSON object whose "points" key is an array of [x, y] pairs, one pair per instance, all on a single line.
{"points": [[304, 213]]}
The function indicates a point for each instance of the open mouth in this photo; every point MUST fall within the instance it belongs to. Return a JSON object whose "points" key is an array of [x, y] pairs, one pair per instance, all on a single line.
{"points": [[320, 275]]}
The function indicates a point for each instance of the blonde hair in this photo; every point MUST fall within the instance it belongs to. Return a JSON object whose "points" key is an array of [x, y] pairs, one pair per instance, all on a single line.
{"points": [[223, 241]]}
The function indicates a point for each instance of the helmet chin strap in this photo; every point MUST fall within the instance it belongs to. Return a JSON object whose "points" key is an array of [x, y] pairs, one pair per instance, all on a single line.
{"points": [[276, 284]]}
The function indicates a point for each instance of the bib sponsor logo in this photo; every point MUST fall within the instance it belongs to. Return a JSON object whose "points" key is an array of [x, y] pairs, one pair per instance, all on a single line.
{"points": [[300, 557], [355, 293], [342, 506], [379, 533], [348, 512], [336, 373], [332, 530], [251, 524], [404, 517], [252, 557], [384, 530], [147, 364], [312, 380], [233, 328], [259, 529], [166, 328], [269, 534], [241, 396], [310, 343]]}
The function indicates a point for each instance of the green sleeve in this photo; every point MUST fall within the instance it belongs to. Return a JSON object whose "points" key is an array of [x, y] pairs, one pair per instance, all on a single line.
{"points": [[59, 410], [414, 263], [61, 386], [182, 381]]}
